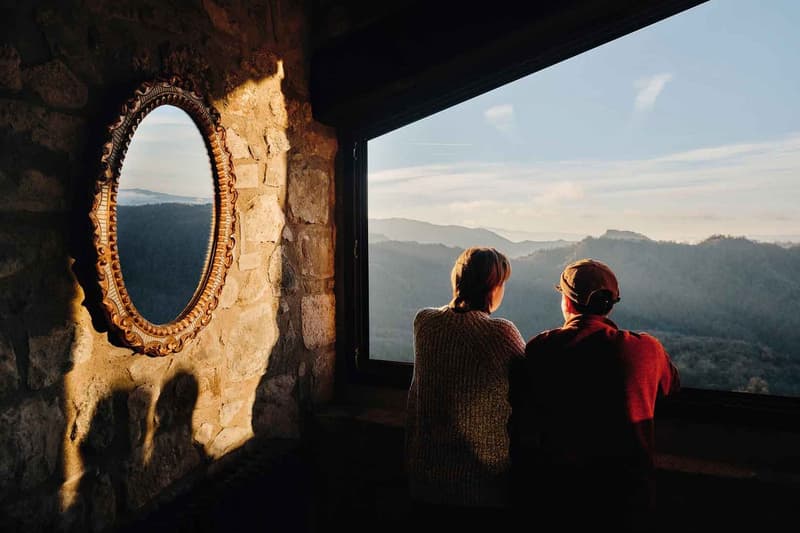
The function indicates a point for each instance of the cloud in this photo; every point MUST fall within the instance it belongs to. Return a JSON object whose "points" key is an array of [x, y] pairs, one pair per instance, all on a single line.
{"points": [[501, 117], [742, 188], [648, 90]]}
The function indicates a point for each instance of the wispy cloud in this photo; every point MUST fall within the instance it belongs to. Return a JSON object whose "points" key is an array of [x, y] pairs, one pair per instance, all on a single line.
{"points": [[501, 117], [648, 89], [744, 188]]}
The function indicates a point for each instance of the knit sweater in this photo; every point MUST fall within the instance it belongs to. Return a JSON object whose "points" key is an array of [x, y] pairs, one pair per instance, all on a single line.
{"points": [[457, 442]]}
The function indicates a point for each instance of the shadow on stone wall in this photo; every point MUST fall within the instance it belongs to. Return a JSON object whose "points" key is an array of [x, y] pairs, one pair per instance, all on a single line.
{"points": [[131, 453]]}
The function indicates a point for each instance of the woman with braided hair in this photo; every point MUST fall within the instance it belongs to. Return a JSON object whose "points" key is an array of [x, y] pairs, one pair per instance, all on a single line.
{"points": [[457, 442]]}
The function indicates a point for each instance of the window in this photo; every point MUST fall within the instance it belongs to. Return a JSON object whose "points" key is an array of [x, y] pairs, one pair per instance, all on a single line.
{"points": [[672, 153]]}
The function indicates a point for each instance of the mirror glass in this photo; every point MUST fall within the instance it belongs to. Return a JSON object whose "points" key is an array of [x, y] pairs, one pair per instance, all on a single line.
{"points": [[165, 213]]}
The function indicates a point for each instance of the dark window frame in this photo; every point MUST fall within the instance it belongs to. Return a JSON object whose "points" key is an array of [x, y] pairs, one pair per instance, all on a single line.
{"points": [[354, 365]]}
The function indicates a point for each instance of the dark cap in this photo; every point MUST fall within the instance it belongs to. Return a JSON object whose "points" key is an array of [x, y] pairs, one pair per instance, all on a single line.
{"points": [[581, 279]]}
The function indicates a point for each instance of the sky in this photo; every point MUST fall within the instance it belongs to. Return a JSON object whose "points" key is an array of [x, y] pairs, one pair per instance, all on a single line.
{"points": [[168, 155], [684, 129]]}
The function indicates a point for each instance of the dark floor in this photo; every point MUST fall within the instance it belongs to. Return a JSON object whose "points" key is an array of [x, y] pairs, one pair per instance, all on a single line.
{"points": [[350, 479]]}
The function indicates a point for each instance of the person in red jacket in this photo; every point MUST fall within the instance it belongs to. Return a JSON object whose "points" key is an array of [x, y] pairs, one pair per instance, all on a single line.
{"points": [[585, 398]]}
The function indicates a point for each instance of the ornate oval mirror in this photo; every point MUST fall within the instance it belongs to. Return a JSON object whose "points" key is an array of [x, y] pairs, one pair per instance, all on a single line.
{"points": [[163, 217]]}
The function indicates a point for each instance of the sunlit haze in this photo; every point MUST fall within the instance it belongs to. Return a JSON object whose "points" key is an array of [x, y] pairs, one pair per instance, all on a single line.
{"points": [[684, 129]]}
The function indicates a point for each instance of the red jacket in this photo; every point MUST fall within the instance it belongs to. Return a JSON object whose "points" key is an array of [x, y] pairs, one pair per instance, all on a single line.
{"points": [[585, 399]]}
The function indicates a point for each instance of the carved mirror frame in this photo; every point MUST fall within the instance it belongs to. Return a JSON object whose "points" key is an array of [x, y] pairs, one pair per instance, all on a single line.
{"points": [[135, 330]]}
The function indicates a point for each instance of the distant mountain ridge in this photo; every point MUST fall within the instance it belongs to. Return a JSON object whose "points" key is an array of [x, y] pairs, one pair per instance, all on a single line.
{"points": [[726, 308], [147, 197], [408, 230]]}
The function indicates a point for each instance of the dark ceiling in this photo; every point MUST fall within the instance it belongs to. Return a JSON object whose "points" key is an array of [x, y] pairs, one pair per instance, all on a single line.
{"points": [[379, 65]]}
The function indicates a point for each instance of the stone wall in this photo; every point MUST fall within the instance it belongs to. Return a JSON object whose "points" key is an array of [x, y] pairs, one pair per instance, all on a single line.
{"points": [[91, 432]]}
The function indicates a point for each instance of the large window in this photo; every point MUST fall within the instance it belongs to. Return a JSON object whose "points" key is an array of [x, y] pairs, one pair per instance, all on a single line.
{"points": [[672, 154]]}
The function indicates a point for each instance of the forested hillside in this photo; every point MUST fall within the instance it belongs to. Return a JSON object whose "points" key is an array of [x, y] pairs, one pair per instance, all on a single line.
{"points": [[163, 249], [727, 309]]}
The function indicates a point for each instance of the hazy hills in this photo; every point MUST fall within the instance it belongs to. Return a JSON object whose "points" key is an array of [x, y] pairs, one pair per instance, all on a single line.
{"points": [[726, 308], [403, 229]]}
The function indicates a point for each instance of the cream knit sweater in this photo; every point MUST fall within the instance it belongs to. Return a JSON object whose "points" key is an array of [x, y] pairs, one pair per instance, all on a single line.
{"points": [[457, 444]]}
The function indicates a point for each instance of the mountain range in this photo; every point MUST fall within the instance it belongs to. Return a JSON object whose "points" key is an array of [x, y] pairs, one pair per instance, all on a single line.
{"points": [[147, 197], [727, 308], [404, 229]]}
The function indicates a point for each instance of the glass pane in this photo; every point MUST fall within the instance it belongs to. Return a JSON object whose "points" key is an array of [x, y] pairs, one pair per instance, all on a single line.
{"points": [[672, 154], [165, 213]]}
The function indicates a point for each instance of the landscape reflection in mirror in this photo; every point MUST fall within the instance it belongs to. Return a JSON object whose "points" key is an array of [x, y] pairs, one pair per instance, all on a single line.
{"points": [[165, 214], [672, 154]]}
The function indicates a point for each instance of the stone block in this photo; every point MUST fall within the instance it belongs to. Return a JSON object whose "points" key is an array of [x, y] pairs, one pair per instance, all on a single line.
{"points": [[319, 320], [146, 369], [275, 412], [237, 146], [230, 291], [29, 443], [249, 262], [32, 191], [277, 142], [56, 85], [255, 288], [49, 356], [322, 374], [205, 434], [276, 171], [248, 175], [249, 343], [10, 75], [56, 131], [83, 342], [263, 220], [316, 253], [229, 439], [309, 196], [140, 401], [228, 412], [9, 378], [281, 272]]}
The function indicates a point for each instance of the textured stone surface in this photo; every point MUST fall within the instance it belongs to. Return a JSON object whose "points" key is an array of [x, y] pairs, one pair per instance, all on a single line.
{"points": [[316, 260], [248, 175], [83, 341], [29, 443], [144, 368], [319, 324], [230, 293], [10, 76], [263, 220], [57, 131], [276, 171], [9, 378], [139, 419], [309, 196], [35, 191], [250, 342], [228, 439], [276, 414], [322, 376], [56, 85], [229, 411], [237, 146], [255, 288], [49, 356], [116, 428]]}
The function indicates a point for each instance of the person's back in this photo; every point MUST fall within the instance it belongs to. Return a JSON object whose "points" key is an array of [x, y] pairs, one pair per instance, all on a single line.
{"points": [[588, 392], [457, 442], [457, 438]]}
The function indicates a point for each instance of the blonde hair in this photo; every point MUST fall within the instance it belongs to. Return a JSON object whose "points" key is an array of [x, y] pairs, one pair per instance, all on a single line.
{"points": [[477, 272]]}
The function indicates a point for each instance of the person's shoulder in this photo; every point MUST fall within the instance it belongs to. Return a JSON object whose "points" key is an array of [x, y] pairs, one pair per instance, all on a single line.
{"points": [[428, 313], [644, 338], [542, 339], [504, 324]]}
